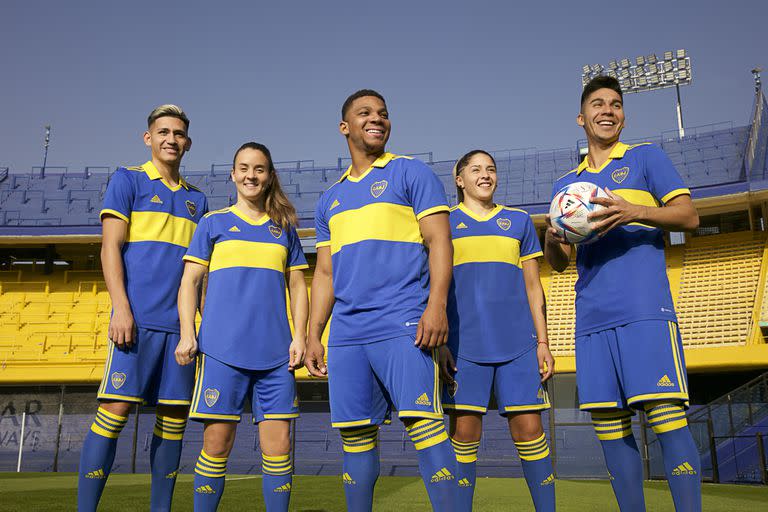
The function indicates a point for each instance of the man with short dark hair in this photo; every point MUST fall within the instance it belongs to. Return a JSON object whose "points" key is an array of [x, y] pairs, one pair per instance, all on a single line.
{"points": [[629, 354], [149, 215], [384, 261]]}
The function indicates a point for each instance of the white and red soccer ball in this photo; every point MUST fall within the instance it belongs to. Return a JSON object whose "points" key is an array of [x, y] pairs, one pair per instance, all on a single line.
{"points": [[569, 209]]}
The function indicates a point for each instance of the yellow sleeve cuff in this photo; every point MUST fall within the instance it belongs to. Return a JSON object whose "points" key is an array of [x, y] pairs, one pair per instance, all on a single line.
{"points": [[107, 211], [195, 260], [430, 211], [675, 193]]}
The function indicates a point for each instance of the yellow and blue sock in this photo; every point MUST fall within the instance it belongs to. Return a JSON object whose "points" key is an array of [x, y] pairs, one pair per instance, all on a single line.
{"points": [[681, 457], [276, 481], [466, 471], [361, 466], [537, 468], [164, 455], [96, 458], [437, 462], [614, 430], [209, 482]]}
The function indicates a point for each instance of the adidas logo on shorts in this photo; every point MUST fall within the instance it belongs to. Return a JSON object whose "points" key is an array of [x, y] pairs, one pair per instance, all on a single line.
{"points": [[205, 489], [683, 469], [98, 474], [441, 476], [283, 488], [465, 483], [549, 480], [423, 400], [665, 382], [345, 478]]}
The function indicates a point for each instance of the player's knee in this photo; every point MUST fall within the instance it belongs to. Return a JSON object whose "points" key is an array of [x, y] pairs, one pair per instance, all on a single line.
{"points": [[665, 416], [525, 427], [277, 443], [118, 408], [218, 439], [467, 429], [179, 412]]}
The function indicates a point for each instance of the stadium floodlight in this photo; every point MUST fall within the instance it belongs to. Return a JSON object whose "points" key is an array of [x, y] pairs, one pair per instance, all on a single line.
{"points": [[46, 144], [648, 73]]}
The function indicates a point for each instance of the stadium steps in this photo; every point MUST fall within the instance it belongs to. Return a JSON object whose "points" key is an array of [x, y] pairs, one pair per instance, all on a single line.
{"points": [[718, 289], [561, 310]]}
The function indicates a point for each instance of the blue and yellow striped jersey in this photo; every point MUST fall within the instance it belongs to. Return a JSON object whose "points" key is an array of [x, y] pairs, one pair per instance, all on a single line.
{"points": [[161, 220], [380, 264], [245, 320], [488, 312], [623, 276]]}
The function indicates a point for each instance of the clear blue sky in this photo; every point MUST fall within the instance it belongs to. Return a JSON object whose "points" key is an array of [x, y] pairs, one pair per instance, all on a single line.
{"points": [[456, 75]]}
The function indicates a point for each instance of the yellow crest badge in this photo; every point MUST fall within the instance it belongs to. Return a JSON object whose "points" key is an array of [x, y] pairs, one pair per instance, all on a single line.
{"points": [[504, 224], [620, 175], [191, 207], [378, 188], [118, 379], [211, 396], [276, 231]]}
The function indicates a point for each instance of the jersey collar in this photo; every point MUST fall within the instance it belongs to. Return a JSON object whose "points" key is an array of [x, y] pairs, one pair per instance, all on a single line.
{"points": [[477, 217], [380, 162], [617, 151], [262, 220], [153, 174]]}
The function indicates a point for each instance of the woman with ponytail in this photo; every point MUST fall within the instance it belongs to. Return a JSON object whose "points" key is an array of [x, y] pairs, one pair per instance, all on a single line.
{"points": [[244, 348]]}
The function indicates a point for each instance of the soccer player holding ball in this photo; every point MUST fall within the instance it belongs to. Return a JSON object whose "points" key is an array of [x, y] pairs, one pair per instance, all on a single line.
{"points": [[629, 354], [249, 252], [384, 260], [498, 330], [149, 215]]}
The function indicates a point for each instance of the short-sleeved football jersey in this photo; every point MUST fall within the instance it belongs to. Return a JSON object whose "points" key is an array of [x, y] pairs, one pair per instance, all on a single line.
{"points": [[488, 311], [380, 264], [622, 276], [245, 320], [161, 220]]}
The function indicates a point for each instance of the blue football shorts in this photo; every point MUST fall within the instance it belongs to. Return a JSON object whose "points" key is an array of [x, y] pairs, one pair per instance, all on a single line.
{"points": [[221, 389], [631, 364]]}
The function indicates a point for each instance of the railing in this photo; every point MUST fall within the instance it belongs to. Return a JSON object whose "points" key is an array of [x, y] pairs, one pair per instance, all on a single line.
{"points": [[740, 405]]}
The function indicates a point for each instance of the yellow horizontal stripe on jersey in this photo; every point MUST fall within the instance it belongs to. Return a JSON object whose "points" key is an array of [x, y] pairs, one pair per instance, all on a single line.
{"points": [[160, 227], [634, 196], [377, 221], [486, 249], [242, 253]]}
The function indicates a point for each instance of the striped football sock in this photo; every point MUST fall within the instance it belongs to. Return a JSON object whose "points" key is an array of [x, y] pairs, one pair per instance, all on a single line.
{"points": [[437, 462], [361, 466], [96, 458], [209, 482], [276, 482], [164, 455], [614, 430], [681, 457], [466, 466], [537, 468]]}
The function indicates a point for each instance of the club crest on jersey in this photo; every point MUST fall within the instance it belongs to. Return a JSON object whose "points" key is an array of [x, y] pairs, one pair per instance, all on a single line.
{"points": [[620, 175], [118, 379], [504, 224], [378, 188], [276, 231], [211, 396], [191, 207]]}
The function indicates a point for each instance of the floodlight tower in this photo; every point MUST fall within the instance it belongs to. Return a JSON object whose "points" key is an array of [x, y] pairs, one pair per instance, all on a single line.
{"points": [[648, 73], [47, 143]]}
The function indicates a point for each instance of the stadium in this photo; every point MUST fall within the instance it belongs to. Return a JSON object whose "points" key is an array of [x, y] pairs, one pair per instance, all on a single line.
{"points": [[55, 313]]}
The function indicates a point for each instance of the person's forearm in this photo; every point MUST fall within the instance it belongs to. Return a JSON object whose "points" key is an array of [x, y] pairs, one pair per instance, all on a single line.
{"points": [[320, 305], [440, 270], [677, 217], [555, 254], [299, 305], [538, 305], [189, 291], [114, 275]]}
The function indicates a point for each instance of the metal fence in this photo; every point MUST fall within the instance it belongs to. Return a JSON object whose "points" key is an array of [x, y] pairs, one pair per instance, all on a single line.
{"points": [[56, 420]]}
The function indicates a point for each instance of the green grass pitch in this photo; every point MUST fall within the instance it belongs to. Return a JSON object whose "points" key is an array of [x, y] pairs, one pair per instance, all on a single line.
{"points": [[57, 491]]}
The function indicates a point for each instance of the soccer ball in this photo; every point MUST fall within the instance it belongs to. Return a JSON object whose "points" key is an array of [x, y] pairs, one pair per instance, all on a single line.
{"points": [[569, 209]]}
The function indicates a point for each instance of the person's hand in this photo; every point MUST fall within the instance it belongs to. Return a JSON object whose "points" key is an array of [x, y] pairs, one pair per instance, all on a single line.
{"points": [[447, 365], [616, 211], [432, 331], [314, 359], [296, 351], [122, 329], [186, 350], [546, 361], [551, 234]]}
